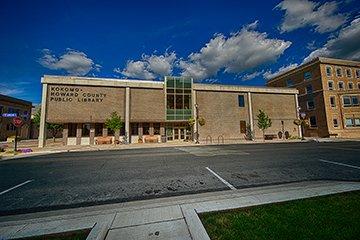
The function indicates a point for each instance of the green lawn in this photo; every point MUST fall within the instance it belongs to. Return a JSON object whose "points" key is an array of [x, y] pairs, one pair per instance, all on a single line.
{"points": [[329, 217]]}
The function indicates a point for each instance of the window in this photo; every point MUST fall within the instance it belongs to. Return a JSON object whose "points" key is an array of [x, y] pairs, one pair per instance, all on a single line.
{"points": [[341, 86], [98, 129], [72, 129], [289, 83], [328, 71], [332, 101], [241, 101], [10, 127], [348, 73], [313, 121], [242, 126], [350, 85], [349, 122], [357, 73], [134, 128], [146, 129], [358, 85], [307, 75], [354, 100], [347, 101], [357, 122], [156, 128], [338, 72], [310, 104], [309, 88], [85, 130], [331, 85], [335, 122]]}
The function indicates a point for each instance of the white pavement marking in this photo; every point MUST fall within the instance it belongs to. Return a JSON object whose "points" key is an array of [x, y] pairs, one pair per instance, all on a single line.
{"points": [[221, 179], [341, 164], [12, 188]]}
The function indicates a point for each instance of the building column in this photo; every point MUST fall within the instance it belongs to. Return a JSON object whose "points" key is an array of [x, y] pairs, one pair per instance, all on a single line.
{"points": [[127, 114], [42, 127], [298, 114], [65, 134], [104, 132], [151, 128], [92, 133], [78, 133], [194, 113], [140, 130], [251, 118]]}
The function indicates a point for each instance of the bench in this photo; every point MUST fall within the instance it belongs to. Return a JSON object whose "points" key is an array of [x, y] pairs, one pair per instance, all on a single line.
{"points": [[151, 139], [270, 136], [103, 140]]}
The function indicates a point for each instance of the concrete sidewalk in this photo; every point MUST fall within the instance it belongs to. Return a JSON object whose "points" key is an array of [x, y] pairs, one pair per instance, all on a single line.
{"points": [[166, 218]]}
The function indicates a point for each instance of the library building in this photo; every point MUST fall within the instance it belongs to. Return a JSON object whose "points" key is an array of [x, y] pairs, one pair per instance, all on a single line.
{"points": [[159, 111]]}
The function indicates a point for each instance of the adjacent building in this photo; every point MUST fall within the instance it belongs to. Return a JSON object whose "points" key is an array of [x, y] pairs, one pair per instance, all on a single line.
{"points": [[13, 107], [161, 109], [329, 94]]}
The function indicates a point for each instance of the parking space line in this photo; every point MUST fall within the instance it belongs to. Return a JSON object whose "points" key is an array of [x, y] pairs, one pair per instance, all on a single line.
{"points": [[221, 179], [12, 188], [341, 164]]}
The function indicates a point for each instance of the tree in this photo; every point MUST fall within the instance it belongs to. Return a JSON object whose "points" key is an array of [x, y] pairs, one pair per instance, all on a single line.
{"points": [[249, 135], [53, 127], [114, 123], [264, 122]]}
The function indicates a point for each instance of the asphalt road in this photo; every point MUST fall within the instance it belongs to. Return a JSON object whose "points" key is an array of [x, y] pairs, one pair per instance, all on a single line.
{"points": [[87, 178]]}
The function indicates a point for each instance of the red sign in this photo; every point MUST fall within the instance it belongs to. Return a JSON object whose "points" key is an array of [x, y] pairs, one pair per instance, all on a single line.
{"points": [[18, 122]]}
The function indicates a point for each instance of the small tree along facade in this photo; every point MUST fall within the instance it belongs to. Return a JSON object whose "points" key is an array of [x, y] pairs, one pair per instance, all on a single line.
{"points": [[53, 127], [114, 123], [264, 122]]}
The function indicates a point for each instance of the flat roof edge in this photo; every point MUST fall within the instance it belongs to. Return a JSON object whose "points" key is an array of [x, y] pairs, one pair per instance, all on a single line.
{"points": [[235, 88]]}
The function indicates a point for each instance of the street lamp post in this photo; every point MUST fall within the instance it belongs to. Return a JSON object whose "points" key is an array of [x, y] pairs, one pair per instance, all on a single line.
{"points": [[197, 123]]}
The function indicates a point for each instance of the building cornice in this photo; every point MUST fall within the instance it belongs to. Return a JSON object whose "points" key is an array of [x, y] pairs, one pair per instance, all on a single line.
{"points": [[322, 60], [109, 82]]}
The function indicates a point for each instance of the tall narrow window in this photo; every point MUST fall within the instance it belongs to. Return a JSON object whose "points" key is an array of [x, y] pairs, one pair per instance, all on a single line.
{"points": [[348, 73], [335, 122], [350, 85], [309, 88], [241, 100], [310, 104], [357, 73], [85, 130], [338, 72], [341, 86], [332, 101], [307, 75], [313, 121], [328, 71], [330, 85], [242, 126]]}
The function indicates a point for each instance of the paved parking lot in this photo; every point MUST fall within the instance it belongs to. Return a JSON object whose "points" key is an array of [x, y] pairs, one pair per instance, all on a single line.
{"points": [[87, 178]]}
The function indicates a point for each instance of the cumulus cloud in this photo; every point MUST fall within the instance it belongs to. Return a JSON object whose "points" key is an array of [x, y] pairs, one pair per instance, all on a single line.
{"points": [[304, 13], [72, 61], [270, 75], [149, 67], [345, 44], [243, 50]]}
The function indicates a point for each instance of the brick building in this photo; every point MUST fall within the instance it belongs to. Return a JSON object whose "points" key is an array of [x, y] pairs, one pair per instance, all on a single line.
{"points": [[161, 108], [329, 93], [10, 107]]}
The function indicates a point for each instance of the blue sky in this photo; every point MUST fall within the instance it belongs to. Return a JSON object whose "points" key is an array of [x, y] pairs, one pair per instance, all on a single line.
{"points": [[227, 42]]}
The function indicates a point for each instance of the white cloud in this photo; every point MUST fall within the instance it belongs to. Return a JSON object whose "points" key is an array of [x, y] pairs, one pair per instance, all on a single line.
{"points": [[303, 13], [241, 51], [345, 44], [73, 62], [149, 67], [270, 75], [251, 76], [11, 89]]}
